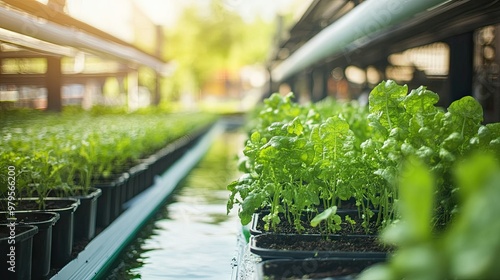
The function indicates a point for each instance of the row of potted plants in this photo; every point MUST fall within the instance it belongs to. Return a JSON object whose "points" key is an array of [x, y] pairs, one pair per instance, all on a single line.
{"points": [[327, 174], [81, 169], [466, 248], [56, 150]]}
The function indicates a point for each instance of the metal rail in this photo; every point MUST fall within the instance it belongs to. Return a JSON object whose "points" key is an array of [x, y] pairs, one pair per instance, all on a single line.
{"points": [[355, 28], [47, 31]]}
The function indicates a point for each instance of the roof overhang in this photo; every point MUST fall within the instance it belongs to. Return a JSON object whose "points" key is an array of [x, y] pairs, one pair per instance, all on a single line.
{"points": [[374, 29], [37, 33]]}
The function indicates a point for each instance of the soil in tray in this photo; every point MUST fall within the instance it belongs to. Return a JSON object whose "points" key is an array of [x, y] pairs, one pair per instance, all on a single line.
{"points": [[337, 243], [347, 229], [49, 204]]}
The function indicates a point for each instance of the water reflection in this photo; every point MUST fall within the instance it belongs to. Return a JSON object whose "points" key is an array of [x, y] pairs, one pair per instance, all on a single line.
{"points": [[191, 237]]}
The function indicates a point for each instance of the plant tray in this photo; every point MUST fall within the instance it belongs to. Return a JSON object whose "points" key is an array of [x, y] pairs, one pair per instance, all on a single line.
{"points": [[331, 268], [302, 246]]}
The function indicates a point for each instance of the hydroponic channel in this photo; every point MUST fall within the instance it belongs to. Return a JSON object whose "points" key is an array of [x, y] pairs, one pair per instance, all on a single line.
{"points": [[190, 237]]}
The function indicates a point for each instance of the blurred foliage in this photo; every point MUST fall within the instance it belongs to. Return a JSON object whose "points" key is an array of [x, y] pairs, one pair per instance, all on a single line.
{"points": [[469, 246], [204, 42], [111, 87], [147, 78]]}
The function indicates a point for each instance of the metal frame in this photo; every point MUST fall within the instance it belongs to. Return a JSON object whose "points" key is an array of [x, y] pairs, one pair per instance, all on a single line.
{"points": [[356, 27], [19, 22]]}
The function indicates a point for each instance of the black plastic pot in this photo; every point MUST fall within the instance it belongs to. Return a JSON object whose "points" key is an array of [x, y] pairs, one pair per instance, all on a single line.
{"points": [[42, 241], [62, 231], [86, 214], [131, 183], [164, 158], [174, 150], [137, 175], [338, 269], [153, 166], [118, 201], [16, 243], [277, 246], [144, 178], [149, 171], [110, 203]]}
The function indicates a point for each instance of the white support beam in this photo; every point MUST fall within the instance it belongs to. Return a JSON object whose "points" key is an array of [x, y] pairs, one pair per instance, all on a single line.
{"points": [[133, 90], [356, 27], [49, 32]]}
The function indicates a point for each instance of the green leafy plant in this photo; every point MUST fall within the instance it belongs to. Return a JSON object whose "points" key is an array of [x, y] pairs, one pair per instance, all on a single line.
{"points": [[304, 159], [468, 247], [294, 162], [410, 125], [68, 152]]}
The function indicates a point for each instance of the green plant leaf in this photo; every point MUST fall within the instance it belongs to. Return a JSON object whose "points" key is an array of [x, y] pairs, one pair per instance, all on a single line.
{"points": [[385, 101], [251, 203], [333, 134], [472, 242], [421, 101], [472, 174], [468, 108], [416, 187], [294, 127], [465, 116], [323, 216]]}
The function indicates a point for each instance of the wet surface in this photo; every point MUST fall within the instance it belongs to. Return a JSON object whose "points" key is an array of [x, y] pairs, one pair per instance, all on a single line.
{"points": [[191, 237]]}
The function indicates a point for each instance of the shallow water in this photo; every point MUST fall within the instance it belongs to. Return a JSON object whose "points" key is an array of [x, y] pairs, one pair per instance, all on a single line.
{"points": [[191, 237]]}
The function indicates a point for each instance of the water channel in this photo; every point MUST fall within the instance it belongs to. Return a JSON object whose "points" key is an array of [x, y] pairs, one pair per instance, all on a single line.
{"points": [[190, 237]]}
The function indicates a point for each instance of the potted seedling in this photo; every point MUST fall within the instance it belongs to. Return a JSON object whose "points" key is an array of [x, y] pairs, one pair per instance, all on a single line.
{"points": [[37, 173], [300, 164]]}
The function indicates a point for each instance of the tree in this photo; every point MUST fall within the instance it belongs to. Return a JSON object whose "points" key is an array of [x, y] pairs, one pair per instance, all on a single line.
{"points": [[207, 40]]}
